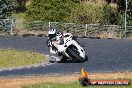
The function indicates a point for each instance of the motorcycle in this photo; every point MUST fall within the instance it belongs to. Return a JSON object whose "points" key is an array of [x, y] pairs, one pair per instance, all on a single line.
{"points": [[69, 48]]}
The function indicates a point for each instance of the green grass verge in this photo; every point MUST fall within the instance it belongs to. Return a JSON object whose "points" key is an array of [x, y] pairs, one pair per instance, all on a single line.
{"points": [[14, 58], [71, 85]]}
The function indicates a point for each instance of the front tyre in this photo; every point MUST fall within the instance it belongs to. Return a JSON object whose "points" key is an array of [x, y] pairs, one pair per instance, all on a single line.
{"points": [[75, 56]]}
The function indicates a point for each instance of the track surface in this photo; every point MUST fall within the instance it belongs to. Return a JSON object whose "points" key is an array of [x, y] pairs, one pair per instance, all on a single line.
{"points": [[104, 56]]}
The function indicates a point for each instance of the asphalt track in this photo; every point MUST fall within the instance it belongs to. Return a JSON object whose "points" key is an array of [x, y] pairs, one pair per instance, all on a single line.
{"points": [[104, 56]]}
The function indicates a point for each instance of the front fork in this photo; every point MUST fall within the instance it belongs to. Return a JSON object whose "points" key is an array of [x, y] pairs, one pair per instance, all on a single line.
{"points": [[79, 48]]}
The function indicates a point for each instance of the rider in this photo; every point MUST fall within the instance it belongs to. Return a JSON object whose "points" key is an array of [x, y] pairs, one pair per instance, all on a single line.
{"points": [[54, 35]]}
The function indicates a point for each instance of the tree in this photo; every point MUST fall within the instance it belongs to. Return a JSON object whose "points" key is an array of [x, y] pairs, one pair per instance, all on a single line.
{"points": [[6, 8], [87, 13], [50, 10], [20, 6], [121, 5], [110, 16], [121, 8]]}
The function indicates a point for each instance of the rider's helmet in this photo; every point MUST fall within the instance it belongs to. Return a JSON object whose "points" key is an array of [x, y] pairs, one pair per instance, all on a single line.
{"points": [[52, 34]]}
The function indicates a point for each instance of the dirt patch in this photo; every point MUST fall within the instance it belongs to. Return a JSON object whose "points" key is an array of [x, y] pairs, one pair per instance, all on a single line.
{"points": [[18, 82], [30, 33]]}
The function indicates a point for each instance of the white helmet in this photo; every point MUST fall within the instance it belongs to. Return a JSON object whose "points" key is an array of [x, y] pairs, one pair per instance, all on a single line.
{"points": [[52, 33]]}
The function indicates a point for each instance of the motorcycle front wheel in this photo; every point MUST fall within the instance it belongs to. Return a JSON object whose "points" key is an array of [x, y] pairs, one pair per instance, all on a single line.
{"points": [[75, 55]]}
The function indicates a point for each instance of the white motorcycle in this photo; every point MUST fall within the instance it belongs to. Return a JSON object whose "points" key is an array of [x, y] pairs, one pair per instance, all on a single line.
{"points": [[69, 48]]}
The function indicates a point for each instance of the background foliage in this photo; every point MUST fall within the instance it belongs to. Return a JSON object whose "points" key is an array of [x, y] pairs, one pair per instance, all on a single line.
{"points": [[6, 8], [73, 11], [50, 10], [121, 9], [87, 13], [20, 6]]}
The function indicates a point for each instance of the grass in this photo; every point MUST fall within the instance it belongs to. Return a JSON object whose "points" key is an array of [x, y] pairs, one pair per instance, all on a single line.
{"points": [[14, 58], [70, 85]]}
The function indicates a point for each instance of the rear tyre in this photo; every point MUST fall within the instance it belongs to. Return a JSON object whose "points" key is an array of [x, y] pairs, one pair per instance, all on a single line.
{"points": [[63, 60], [86, 58], [75, 56]]}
